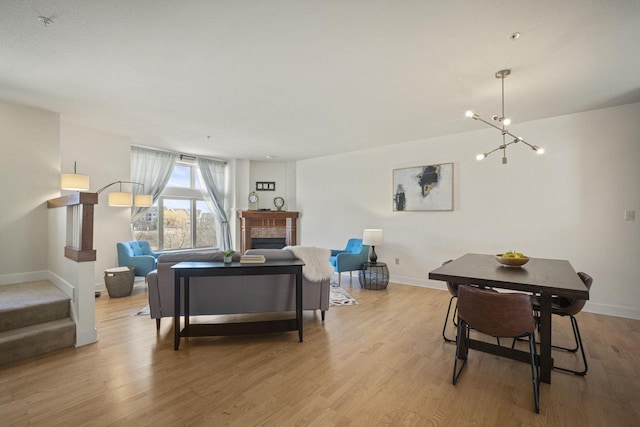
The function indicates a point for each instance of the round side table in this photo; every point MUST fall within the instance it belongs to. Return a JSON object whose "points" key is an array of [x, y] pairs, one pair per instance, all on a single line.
{"points": [[374, 275]]}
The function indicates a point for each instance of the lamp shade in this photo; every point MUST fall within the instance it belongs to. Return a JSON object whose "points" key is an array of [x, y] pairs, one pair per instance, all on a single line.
{"points": [[143, 200], [373, 237], [74, 181], [119, 199]]}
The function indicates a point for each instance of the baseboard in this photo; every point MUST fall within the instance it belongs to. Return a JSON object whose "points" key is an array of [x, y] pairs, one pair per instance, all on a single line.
{"points": [[590, 307], [85, 338], [32, 276], [612, 310], [422, 283], [63, 285]]}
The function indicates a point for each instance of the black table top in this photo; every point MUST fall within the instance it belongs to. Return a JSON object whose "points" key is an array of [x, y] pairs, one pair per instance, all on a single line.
{"points": [[201, 264], [538, 275]]}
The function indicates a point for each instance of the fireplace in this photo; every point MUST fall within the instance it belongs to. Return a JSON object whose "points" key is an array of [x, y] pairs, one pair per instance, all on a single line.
{"points": [[267, 229], [268, 242]]}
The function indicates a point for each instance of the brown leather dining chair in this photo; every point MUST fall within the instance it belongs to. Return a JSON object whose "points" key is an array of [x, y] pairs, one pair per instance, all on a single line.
{"points": [[496, 314], [569, 307], [453, 290]]}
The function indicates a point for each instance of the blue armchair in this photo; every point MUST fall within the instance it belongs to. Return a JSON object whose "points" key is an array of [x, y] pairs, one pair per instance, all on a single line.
{"points": [[137, 254], [349, 258]]}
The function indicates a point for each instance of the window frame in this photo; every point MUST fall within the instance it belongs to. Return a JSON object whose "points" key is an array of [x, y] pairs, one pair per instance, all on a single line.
{"points": [[193, 195]]}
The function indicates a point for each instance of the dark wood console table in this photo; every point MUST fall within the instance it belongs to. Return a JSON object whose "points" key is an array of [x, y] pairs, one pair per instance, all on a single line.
{"points": [[186, 270]]}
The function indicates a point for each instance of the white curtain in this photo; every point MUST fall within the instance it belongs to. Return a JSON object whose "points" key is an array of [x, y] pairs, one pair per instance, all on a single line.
{"points": [[212, 172], [152, 169]]}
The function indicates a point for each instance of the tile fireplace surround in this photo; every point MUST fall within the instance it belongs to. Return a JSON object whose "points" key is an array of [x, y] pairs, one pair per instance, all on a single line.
{"points": [[267, 224]]}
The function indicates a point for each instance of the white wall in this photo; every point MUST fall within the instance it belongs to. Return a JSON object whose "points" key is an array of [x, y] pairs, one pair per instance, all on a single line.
{"points": [[32, 237], [567, 204], [244, 175], [29, 176], [74, 278], [105, 158], [283, 174]]}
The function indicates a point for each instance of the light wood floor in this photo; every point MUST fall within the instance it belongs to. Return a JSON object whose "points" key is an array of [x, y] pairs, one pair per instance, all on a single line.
{"points": [[382, 362]]}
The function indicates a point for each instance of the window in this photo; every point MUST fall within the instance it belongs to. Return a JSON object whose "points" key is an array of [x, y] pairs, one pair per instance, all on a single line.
{"points": [[180, 219]]}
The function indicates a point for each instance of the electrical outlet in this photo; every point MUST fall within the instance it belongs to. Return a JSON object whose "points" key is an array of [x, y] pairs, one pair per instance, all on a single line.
{"points": [[397, 261], [629, 215]]}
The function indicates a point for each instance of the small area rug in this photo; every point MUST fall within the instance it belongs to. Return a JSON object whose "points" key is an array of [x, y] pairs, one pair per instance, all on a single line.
{"points": [[144, 312], [337, 297]]}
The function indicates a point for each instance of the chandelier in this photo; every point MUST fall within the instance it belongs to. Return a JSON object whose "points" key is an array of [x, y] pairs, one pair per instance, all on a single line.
{"points": [[503, 122]]}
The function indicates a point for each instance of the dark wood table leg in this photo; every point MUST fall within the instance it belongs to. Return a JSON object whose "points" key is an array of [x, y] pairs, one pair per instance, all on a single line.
{"points": [[187, 303], [299, 302], [546, 363], [176, 311]]}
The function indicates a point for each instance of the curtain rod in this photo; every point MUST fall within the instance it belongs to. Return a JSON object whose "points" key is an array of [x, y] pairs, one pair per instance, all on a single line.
{"points": [[182, 155]]}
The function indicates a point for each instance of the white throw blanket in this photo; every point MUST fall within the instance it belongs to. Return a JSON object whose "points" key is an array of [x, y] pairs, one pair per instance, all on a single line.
{"points": [[316, 262]]}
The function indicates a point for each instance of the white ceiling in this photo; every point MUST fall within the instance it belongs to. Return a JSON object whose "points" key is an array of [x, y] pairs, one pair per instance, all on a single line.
{"points": [[305, 78]]}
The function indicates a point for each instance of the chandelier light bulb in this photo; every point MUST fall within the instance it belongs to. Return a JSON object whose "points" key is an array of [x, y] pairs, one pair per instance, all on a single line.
{"points": [[469, 114], [506, 122], [481, 156], [539, 150]]}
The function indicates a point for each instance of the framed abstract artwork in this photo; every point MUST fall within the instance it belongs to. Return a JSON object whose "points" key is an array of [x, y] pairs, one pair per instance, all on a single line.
{"points": [[423, 188]]}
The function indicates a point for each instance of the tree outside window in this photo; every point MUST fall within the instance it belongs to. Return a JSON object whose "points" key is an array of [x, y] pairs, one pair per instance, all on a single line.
{"points": [[180, 219]]}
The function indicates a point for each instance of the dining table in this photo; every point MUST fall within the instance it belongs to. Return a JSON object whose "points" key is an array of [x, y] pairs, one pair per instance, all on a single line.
{"points": [[539, 276]]}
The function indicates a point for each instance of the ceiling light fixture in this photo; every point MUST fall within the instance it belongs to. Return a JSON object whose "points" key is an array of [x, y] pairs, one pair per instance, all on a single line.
{"points": [[503, 121], [45, 21]]}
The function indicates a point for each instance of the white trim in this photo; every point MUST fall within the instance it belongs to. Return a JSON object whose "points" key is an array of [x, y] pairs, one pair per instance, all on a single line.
{"points": [[87, 338], [590, 307], [612, 310], [63, 285], [422, 283], [33, 276]]}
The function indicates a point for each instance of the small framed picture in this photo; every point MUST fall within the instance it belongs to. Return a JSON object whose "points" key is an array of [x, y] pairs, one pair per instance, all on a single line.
{"points": [[265, 186]]}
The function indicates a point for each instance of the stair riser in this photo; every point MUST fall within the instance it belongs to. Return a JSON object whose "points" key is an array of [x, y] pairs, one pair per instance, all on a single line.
{"points": [[32, 315], [37, 340]]}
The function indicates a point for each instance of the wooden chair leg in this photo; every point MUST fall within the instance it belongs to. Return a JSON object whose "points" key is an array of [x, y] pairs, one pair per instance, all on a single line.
{"points": [[157, 324]]}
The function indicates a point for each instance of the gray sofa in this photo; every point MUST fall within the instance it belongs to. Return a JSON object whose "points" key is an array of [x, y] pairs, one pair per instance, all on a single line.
{"points": [[232, 294]]}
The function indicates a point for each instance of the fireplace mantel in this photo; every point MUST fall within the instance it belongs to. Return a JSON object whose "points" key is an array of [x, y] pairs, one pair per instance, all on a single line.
{"points": [[265, 224]]}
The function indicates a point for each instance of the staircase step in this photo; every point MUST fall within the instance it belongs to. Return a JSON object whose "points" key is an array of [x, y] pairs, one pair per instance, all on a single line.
{"points": [[30, 303], [19, 344]]}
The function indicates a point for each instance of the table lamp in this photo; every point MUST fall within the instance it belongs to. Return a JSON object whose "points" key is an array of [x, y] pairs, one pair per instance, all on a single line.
{"points": [[373, 237]]}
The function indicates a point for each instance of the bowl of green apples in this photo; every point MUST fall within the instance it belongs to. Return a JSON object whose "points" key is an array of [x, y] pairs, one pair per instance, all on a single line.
{"points": [[512, 259]]}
